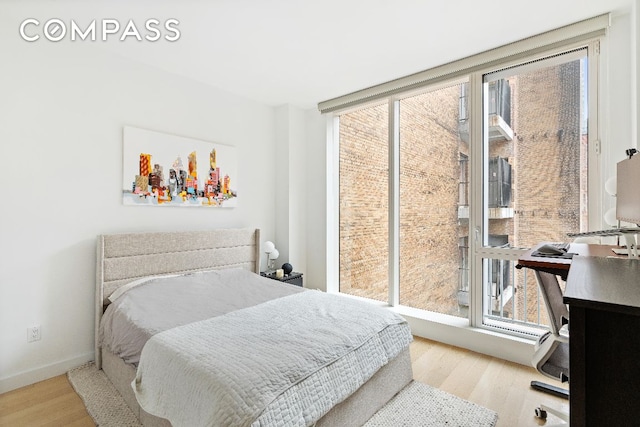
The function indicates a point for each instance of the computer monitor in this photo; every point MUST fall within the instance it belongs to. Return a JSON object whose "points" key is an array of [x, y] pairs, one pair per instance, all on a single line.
{"points": [[628, 190]]}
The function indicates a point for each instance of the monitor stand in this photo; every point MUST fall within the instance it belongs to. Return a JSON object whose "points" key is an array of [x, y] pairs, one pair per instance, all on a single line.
{"points": [[632, 244]]}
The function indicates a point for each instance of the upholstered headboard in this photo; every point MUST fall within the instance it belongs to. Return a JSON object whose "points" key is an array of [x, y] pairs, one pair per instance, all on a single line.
{"points": [[122, 258]]}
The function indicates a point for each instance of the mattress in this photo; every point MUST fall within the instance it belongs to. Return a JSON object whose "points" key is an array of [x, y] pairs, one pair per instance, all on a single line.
{"points": [[153, 305]]}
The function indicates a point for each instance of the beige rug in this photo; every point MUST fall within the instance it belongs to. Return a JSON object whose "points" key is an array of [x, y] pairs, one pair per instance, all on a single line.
{"points": [[417, 405]]}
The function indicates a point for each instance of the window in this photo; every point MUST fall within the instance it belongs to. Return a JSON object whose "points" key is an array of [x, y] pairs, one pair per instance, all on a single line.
{"points": [[443, 186], [535, 152], [364, 201], [430, 230]]}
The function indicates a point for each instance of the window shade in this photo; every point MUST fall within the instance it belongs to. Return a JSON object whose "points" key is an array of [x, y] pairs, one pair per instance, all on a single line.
{"points": [[573, 33]]}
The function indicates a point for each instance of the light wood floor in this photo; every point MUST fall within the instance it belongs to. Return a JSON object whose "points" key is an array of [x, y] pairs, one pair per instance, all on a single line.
{"points": [[487, 381], [48, 403], [493, 383]]}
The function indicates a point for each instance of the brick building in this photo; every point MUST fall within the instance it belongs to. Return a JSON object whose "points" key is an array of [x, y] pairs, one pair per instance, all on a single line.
{"points": [[546, 154]]}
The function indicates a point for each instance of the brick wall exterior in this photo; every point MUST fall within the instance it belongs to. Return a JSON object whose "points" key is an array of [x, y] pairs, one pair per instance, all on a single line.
{"points": [[429, 180], [364, 203], [548, 156], [547, 152]]}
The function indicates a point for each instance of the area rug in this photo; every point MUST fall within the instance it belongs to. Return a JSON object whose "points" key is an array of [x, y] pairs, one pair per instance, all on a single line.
{"points": [[417, 405]]}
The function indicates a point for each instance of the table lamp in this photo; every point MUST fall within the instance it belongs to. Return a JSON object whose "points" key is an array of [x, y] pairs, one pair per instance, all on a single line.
{"points": [[272, 254]]}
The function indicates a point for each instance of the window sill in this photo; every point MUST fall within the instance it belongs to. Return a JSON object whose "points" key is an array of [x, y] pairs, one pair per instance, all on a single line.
{"points": [[456, 331]]}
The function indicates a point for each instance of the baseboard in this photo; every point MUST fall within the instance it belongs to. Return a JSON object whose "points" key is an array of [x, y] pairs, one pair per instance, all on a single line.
{"points": [[43, 373]]}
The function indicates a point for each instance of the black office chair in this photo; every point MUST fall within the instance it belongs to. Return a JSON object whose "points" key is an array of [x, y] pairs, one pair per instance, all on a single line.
{"points": [[551, 357]]}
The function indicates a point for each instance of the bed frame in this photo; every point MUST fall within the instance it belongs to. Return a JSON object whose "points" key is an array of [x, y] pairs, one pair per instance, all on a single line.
{"points": [[122, 258]]}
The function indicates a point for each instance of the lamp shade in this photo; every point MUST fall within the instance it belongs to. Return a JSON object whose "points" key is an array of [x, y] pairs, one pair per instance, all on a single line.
{"points": [[274, 254], [269, 247], [610, 217], [610, 186]]}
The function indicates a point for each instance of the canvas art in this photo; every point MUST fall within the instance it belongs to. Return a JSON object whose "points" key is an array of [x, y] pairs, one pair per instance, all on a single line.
{"points": [[167, 170]]}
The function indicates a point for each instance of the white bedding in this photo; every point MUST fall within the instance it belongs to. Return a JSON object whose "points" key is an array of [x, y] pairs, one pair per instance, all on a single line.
{"points": [[157, 304], [284, 362]]}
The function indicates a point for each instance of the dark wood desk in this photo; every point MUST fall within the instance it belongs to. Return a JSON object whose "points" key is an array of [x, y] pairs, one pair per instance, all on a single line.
{"points": [[560, 266], [603, 295], [600, 363]]}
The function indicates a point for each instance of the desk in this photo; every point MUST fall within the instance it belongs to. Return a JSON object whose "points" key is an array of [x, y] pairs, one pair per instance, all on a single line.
{"points": [[603, 295], [560, 266], [597, 338]]}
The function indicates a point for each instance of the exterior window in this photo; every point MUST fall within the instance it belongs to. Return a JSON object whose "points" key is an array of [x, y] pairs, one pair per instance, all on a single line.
{"points": [[443, 187], [537, 180], [431, 187]]}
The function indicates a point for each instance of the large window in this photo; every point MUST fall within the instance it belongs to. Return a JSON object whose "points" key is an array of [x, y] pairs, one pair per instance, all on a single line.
{"points": [[535, 157], [442, 187], [431, 233]]}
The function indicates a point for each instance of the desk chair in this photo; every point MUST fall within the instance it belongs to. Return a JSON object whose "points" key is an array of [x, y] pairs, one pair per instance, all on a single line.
{"points": [[551, 357]]}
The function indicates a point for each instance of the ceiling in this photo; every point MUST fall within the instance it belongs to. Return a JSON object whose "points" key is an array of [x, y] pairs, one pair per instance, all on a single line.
{"points": [[301, 52]]}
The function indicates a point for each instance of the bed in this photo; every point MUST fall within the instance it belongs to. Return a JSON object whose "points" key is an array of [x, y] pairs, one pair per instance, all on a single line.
{"points": [[168, 257]]}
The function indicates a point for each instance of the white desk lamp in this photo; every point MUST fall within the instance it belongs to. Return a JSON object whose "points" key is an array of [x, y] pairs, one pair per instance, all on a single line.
{"points": [[272, 255]]}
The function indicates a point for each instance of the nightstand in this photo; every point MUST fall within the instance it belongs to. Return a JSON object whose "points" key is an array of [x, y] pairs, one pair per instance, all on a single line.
{"points": [[292, 278]]}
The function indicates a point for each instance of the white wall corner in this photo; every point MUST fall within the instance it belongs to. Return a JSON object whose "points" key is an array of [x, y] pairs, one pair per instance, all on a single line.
{"points": [[279, 179], [316, 200], [290, 174]]}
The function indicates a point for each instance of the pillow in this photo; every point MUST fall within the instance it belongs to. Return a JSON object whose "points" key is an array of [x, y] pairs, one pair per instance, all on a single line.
{"points": [[124, 288]]}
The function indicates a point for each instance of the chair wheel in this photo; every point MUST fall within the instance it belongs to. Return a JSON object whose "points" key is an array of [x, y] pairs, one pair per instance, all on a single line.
{"points": [[541, 413]]}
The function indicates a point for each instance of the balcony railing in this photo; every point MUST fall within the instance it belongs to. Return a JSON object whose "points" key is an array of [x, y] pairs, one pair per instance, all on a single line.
{"points": [[499, 112], [511, 296]]}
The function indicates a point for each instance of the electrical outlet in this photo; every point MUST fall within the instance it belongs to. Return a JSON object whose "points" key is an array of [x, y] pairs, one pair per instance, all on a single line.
{"points": [[33, 333]]}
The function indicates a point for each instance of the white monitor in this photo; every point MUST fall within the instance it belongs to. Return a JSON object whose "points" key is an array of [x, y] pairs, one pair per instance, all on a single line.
{"points": [[628, 190]]}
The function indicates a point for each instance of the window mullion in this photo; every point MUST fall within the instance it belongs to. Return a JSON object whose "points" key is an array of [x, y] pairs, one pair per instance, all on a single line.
{"points": [[594, 183], [476, 199], [394, 202]]}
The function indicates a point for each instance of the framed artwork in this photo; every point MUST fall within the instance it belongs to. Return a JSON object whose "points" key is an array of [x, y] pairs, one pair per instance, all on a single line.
{"points": [[167, 170]]}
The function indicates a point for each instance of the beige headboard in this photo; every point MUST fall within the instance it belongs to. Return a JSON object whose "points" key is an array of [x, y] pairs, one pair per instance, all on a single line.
{"points": [[122, 258]]}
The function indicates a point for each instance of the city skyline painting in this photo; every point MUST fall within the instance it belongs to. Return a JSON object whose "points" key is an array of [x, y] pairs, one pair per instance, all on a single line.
{"points": [[168, 170]]}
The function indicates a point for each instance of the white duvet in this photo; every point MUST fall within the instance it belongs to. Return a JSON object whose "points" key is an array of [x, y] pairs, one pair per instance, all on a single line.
{"points": [[285, 362]]}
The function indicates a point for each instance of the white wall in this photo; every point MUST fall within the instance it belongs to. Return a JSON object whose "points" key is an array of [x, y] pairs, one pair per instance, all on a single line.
{"points": [[62, 110], [288, 177], [619, 104], [316, 207]]}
